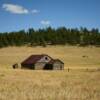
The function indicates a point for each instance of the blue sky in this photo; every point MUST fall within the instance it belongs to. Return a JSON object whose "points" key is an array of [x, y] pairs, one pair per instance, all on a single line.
{"points": [[23, 14]]}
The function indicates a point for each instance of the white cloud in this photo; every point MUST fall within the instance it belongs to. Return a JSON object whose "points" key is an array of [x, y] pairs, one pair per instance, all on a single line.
{"points": [[35, 11], [16, 9], [45, 22]]}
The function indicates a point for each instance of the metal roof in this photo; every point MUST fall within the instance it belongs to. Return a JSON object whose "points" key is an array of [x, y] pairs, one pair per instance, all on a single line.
{"points": [[35, 58]]}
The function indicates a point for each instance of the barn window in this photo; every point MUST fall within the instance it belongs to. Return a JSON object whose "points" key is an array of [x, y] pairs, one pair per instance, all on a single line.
{"points": [[46, 58]]}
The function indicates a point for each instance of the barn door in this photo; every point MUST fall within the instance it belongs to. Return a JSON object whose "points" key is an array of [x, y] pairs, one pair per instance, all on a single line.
{"points": [[48, 67]]}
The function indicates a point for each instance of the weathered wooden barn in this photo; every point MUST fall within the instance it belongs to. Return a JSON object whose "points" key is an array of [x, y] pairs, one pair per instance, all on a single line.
{"points": [[43, 61]]}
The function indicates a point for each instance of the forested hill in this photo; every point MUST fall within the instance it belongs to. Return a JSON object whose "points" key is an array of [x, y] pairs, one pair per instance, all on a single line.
{"points": [[50, 36]]}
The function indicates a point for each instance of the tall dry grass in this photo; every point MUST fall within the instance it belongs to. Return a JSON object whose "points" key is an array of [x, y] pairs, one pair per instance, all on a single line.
{"points": [[49, 85]]}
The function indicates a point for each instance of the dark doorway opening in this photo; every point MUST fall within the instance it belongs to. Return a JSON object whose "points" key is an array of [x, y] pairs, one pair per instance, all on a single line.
{"points": [[48, 67], [28, 66]]}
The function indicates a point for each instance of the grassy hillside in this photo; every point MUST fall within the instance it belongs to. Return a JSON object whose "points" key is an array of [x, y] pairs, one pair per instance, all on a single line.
{"points": [[72, 56]]}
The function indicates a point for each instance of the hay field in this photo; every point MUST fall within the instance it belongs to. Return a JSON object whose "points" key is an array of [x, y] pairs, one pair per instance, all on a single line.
{"points": [[72, 56], [77, 84]]}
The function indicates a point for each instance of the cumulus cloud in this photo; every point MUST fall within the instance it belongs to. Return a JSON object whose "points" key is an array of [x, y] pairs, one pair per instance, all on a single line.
{"points": [[45, 22], [35, 11], [16, 9]]}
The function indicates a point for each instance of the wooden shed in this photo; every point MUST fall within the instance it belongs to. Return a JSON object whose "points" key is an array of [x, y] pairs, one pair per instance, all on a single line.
{"points": [[39, 62]]}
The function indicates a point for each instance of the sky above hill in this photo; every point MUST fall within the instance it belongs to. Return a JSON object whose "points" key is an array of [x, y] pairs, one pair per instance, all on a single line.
{"points": [[23, 14]]}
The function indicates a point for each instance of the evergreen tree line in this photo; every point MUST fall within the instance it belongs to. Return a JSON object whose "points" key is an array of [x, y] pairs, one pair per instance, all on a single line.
{"points": [[50, 36]]}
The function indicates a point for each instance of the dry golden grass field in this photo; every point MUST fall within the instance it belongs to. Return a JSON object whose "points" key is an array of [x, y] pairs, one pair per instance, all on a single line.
{"points": [[82, 82]]}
